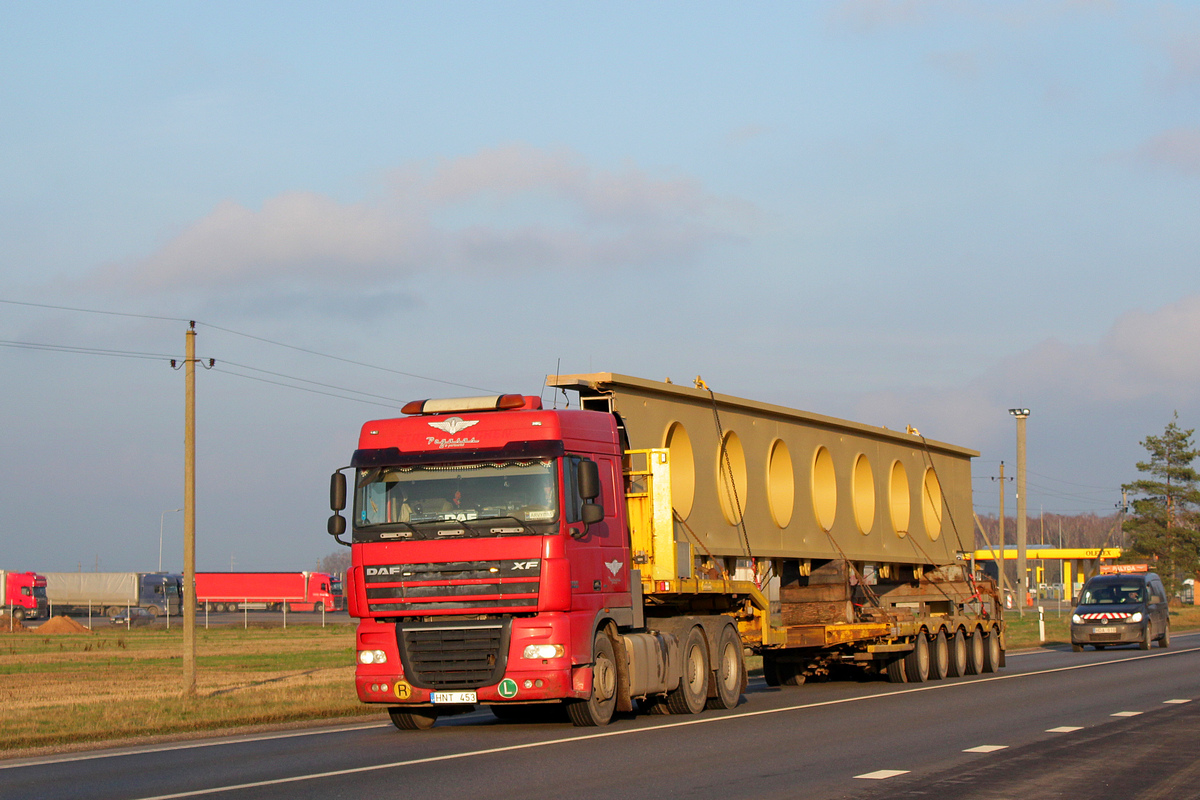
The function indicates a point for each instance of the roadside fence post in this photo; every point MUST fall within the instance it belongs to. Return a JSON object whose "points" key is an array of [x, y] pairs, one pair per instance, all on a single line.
{"points": [[1041, 624]]}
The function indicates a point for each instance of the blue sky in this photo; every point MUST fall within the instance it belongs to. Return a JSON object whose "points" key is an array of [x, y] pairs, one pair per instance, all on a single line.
{"points": [[897, 212]]}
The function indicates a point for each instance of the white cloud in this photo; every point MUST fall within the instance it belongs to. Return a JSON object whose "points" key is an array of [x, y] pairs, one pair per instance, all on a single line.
{"points": [[511, 208]]}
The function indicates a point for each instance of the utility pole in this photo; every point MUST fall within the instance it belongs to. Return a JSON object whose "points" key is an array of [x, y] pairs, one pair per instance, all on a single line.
{"points": [[189, 511], [189, 520], [1000, 560], [1022, 579]]}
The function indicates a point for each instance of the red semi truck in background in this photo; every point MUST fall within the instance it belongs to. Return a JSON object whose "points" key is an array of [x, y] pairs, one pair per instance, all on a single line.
{"points": [[24, 594], [513, 556], [231, 591]]}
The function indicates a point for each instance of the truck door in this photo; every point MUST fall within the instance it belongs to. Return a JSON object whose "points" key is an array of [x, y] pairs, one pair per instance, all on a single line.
{"points": [[599, 558]]}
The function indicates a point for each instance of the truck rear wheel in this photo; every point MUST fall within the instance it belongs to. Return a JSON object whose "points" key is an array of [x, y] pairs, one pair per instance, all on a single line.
{"points": [[692, 693], [958, 655], [916, 663], [975, 652], [939, 657], [598, 709], [421, 719], [991, 651], [730, 673]]}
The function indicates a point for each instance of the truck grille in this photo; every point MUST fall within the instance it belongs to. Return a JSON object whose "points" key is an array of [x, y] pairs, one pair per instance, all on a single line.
{"points": [[462, 656], [452, 587]]}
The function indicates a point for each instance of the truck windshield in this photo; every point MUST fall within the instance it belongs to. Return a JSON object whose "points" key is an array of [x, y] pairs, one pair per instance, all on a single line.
{"points": [[525, 492]]}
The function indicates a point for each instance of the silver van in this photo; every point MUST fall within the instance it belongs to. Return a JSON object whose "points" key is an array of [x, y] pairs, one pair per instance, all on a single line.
{"points": [[1121, 609]]}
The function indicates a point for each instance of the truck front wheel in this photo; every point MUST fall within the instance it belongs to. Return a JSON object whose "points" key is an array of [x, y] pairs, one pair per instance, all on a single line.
{"points": [[598, 709], [154, 611], [692, 693], [414, 720]]}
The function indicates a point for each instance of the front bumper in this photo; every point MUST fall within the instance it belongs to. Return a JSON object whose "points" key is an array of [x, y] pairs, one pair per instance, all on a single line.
{"points": [[1107, 633]]}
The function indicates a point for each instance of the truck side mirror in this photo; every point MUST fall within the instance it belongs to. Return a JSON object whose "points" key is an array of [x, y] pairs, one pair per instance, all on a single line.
{"points": [[337, 493], [337, 526], [592, 513], [589, 479]]}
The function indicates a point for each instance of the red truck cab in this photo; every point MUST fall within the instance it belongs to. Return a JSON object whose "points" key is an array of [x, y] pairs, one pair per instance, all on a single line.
{"points": [[24, 593], [488, 548]]}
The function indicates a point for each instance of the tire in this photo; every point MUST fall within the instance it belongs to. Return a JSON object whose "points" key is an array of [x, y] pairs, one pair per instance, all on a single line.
{"points": [[154, 611], [731, 669], [1076, 648], [692, 693], [1147, 638], [598, 709], [958, 655], [1164, 641], [975, 653], [895, 671], [991, 651], [916, 663], [421, 719], [939, 657]]}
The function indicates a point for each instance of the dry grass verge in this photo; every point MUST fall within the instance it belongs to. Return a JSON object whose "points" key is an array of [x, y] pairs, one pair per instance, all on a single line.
{"points": [[57, 690]]}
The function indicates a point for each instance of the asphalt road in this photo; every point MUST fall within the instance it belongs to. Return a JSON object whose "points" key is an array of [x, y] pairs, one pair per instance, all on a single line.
{"points": [[1112, 724]]}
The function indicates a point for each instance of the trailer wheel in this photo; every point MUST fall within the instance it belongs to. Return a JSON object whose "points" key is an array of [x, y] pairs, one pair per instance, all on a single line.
{"points": [[598, 709], [975, 652], [692, 693], [916, 663], [939, 656], [730, 671], [414, 720], [991, 651], [958, 655], [895, 670]]}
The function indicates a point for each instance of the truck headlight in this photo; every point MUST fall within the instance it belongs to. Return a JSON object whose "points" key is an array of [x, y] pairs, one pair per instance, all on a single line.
{"points": [[1078, 620], [372, 657], [1135, 617], [544, 651]]}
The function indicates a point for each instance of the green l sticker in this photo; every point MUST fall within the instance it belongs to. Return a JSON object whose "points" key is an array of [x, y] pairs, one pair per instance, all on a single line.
{"points": [[507, 688]]}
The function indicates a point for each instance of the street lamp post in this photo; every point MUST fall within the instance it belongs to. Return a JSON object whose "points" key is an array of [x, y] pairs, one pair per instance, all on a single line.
{"points": [[1022, 579], [161, 518]]}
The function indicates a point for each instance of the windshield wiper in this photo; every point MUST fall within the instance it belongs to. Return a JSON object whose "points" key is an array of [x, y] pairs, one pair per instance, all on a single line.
{"points": [[491, 520]]}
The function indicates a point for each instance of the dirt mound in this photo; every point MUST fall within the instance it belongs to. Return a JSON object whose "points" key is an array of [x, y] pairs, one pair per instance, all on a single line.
{"points": [[61, 625], [8, 625]]}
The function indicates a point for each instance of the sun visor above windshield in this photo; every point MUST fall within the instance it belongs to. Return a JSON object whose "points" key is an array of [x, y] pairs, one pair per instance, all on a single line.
{"points": [[391, 456]]}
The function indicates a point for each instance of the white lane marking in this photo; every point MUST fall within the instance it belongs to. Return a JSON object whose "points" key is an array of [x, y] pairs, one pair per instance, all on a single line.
{"points": [[881, 774], [986, 748], [1126, 714], [166, 748], [652, 728], [1175, 702], [1064, 729]]}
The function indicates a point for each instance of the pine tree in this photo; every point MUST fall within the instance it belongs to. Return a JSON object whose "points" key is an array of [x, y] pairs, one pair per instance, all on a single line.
{"points": [[1164, 522]]}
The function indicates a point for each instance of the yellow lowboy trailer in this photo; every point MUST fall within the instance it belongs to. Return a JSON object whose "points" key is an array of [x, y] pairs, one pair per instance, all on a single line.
{"points": [[833, 543]]}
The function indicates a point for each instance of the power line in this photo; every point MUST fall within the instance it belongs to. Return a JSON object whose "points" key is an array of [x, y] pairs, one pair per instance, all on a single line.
{"points": [[303, 389], [346, 360], [90, 351], [304, 380], [92, 311]]}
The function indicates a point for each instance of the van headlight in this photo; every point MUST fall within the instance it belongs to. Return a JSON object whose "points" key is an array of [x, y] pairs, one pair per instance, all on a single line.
{"points": [[372, 657], [1134, 617], [544, 651], [1078, 620]]}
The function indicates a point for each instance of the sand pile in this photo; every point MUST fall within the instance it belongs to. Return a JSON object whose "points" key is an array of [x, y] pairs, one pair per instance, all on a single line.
{"points": [[9, 625], [61, 625]]}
